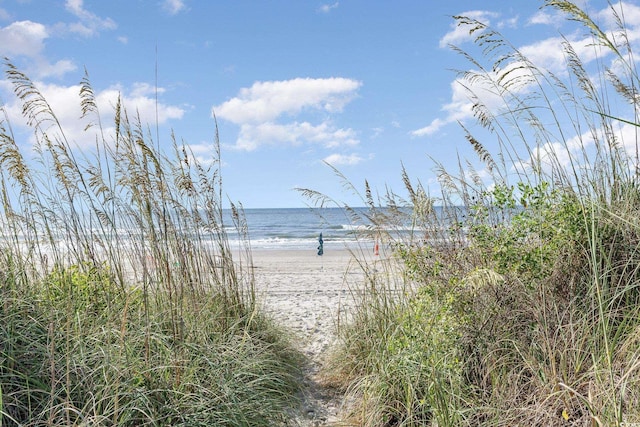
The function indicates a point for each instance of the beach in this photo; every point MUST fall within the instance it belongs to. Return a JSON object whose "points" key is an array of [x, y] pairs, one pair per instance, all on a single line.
{"points": [[306, 292]]}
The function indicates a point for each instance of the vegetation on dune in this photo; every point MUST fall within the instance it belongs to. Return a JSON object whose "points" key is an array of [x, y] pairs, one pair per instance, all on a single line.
{"points": [[516, 302], [513, 302], [122, 302]]}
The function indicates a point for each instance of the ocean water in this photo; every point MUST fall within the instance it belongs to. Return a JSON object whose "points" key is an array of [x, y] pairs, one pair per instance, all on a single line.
{"points": [[290, 228], [299, 228]]}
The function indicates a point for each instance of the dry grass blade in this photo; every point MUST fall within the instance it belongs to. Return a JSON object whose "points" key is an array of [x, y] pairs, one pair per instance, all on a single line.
{"points": [[520, 298], [123, 302]]}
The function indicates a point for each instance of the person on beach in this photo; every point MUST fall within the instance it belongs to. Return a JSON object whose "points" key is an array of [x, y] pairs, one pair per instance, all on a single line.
{"points": [[320, 245]]}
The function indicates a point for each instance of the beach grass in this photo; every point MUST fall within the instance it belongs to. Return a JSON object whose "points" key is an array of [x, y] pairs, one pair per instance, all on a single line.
{"points": [[122, 301], [514, 302], [511, 301]]}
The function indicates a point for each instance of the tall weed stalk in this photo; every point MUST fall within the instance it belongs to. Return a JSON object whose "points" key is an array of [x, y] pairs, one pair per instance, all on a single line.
{"points": [[123, 301], [520, 290]]}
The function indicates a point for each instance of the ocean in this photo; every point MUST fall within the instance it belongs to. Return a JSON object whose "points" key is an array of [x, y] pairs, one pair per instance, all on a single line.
{"points": [[299, 228], [267, 229]]}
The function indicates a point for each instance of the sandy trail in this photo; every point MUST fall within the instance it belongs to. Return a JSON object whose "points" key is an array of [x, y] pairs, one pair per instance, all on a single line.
{"points": [[305, 292]]}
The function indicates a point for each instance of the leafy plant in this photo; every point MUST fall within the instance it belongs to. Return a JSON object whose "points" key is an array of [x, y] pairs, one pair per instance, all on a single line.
{"points": [[122, 301], [518, 293]]}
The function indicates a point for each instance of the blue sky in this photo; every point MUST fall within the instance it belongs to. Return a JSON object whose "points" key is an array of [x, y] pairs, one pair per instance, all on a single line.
{"points": [[366, 86]]}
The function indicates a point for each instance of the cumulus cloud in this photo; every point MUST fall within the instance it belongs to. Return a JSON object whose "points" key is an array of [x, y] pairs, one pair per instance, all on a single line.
{"points": [[266, 112], [554, 155], [546, 17], [579, 151], [432, 128], [139, 89], [458, 109], [266, 101], [202, 153], [25, 38], [344, 159], [89, 24], [630, 12], [140, 100], [252, 136], [65, 103], [173, 7], [549, 53], [546, 54], [57, 69]]}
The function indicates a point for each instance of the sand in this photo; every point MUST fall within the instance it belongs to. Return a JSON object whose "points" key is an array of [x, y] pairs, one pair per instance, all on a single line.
{"points": [[306, 292]]}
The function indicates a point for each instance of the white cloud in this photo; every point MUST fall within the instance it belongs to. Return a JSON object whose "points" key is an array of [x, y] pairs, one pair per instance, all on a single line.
{"points": [[261, 110], [89, 24], [145, 89], [123, 39], [344, 159], [460, 33], [265, 101], [23, 38], [555, 155], [325, 134], [578, 152], [432, 128], [483, 92], [628, 136], [139, 100], [27, 39], [458, 109], [546, 54], [549, 53], [547, 17], [203, 153], [60, 68], [173, 7], [630, 14], [326, 8], [629, 11], [65, 103]]}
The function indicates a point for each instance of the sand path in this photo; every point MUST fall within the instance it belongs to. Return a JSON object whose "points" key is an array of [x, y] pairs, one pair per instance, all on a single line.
{"points": [[305, 292]]}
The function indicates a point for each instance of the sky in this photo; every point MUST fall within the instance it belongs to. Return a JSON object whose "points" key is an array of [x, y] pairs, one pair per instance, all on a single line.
{"points": [[368, 87]]}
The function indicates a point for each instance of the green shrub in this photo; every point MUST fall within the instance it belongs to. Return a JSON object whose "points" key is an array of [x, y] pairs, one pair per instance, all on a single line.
{"points": [[517, 303], [120, 299]]}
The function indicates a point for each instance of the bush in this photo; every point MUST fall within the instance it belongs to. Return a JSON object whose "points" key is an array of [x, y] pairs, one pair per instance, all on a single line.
{"points": [[121, 302], [517, 303]]}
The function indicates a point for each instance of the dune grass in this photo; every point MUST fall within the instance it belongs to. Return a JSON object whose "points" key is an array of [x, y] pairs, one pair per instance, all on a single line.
{"points": [[122, 300], [514, 301]]}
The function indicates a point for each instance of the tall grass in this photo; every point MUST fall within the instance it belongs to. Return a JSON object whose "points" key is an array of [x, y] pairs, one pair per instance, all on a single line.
{"points": [[122, 300], [520, 293]]}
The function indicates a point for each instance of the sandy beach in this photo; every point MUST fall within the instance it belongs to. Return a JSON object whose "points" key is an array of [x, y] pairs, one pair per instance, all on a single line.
{"points": [[306, 292]]}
